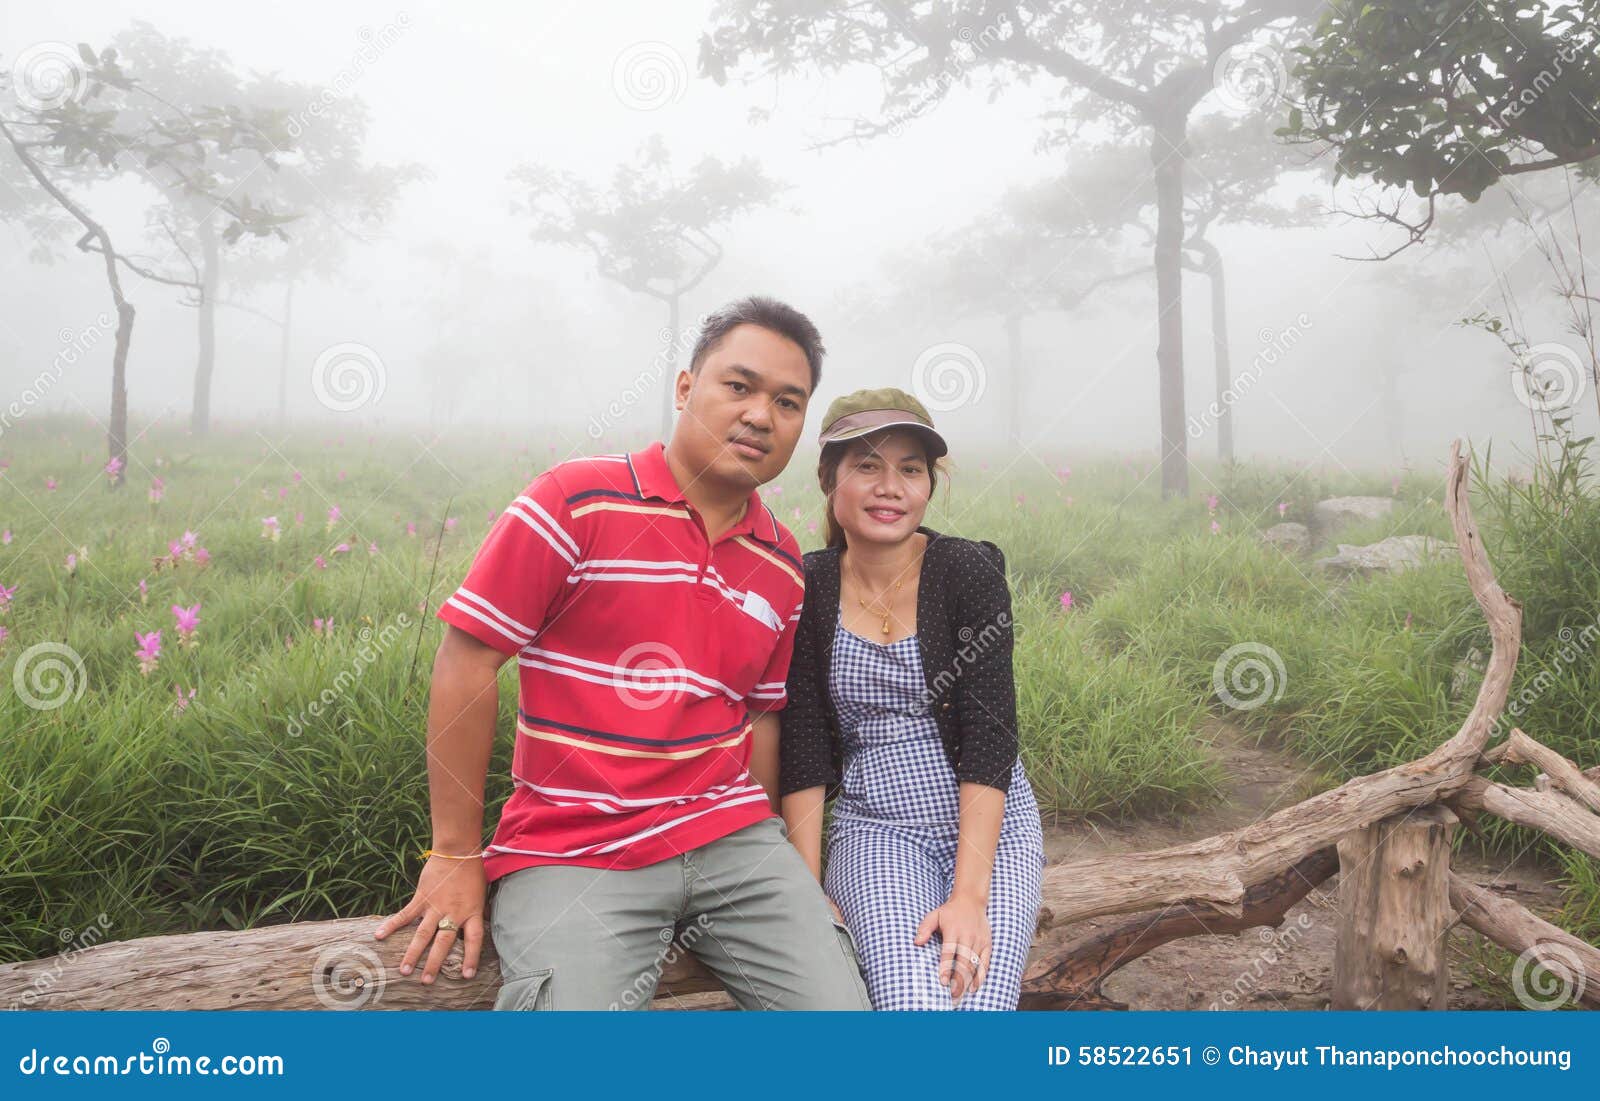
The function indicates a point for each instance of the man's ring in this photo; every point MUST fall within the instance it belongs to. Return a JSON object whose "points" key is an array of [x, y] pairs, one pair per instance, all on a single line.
{"points": [[446, 924]]}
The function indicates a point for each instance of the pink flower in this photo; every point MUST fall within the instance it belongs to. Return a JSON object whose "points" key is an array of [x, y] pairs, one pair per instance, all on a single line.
{"points": [[1066, 601], [144, 591], [342, 548], [323, 628], [188, 540], [72, 563], [297, 477], [183, 701], [1211, 503], [372, 548], [269, 528], [1064, 473], [333, 516], [188, 621], [49, 484], [299, 517], [149, 652], [341, 476], [777, 491], [411, 528], [1021, 500], [5, 537], [114, 467], [5, 597], [797, 514], [1216, 528], [449, 524], [1283, 507], [4, 634], [201, 556], [811, 526], [320, 562], [283, 493], [158, 489]]}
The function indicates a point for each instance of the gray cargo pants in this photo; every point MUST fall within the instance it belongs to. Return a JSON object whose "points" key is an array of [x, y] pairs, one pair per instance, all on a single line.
{"points": [[570, 937]]}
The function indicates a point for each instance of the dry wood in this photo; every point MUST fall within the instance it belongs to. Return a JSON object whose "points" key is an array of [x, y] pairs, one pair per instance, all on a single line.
{"points": [[1549, 811], [1574, 964], [1518, 748], [1394, 913]]}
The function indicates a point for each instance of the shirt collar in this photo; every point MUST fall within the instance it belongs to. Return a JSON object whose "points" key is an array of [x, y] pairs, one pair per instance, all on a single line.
{"points": [[655, 479]]}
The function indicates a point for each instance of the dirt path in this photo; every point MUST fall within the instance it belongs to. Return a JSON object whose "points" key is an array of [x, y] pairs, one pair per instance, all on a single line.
{"points": [[1287, 968]]}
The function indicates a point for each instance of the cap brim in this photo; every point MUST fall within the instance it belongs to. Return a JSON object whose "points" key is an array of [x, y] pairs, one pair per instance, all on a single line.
{"points": [[937, 446]]}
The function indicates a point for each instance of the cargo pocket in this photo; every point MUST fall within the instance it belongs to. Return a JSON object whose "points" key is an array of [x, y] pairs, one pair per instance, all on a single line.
{"points": [[846, 940], [531, 991]]}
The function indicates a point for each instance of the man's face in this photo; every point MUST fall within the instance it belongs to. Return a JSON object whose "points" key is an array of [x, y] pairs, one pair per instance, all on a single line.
{"points": [[744, 410]]}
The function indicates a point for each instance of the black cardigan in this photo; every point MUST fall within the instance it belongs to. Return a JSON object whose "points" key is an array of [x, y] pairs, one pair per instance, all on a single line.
{"points": [[964, 635]]}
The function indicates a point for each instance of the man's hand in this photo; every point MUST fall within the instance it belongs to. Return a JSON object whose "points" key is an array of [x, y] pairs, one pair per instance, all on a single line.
{"points": [[453, 889]]}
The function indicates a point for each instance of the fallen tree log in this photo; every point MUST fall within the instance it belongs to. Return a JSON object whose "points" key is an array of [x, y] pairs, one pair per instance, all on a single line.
{"points": [[1225, 883], [1548, 811], [1574, 964], [1565, 776]]}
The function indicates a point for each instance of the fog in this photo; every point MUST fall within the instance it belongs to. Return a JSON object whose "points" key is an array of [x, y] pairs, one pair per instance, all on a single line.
{"points": [[471, 322]]}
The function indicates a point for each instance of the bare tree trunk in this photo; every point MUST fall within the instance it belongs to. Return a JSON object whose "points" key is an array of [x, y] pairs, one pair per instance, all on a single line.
{"points": [[117, 431], [283, 355], [1014, 353], [200, 415], [1167, 152]]}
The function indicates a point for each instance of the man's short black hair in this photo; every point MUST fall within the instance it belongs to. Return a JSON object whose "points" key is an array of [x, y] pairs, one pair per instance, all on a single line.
{"points": [[769, 313]]}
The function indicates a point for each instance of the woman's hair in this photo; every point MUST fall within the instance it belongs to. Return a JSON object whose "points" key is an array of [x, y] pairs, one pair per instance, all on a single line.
{"points": [[828, 478]]}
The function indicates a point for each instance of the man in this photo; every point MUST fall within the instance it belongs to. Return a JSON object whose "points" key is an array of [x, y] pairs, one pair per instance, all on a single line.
{"points": [[651, 601]]}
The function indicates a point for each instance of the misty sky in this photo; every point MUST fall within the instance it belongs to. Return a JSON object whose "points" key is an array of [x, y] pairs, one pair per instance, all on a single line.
{"points": [[472, 89]]}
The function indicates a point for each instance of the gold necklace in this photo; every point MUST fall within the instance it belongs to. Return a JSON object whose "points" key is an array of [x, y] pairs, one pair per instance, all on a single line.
{"points": [[886, 613]]}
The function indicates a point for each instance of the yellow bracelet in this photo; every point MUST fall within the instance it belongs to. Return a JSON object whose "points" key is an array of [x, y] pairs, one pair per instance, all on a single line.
{"points": [[470, 856]]}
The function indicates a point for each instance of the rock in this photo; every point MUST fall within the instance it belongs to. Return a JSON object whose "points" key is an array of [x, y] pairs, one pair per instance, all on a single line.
{"points": [[1336, 512], [1392, 555], [1290, 538]]}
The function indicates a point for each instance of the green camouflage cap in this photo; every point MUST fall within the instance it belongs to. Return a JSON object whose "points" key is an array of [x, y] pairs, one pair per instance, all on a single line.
{"points": [[866, 411]]}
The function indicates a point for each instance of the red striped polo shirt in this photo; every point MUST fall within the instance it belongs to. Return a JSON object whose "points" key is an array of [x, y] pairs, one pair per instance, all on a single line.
{"points": [[643, 652]]}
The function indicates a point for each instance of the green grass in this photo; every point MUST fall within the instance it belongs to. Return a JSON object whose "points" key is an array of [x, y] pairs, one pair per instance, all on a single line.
{"points": [[294, 786]]}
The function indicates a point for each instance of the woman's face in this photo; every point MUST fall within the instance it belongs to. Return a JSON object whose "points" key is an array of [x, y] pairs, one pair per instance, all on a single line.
{"points": [[882, 487]]}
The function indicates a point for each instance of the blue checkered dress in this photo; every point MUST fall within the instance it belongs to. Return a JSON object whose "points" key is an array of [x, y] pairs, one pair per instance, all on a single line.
{"points": [[892, 847]]}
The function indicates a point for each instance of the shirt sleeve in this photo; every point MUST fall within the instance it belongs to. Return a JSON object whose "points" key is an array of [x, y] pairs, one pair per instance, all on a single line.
{"points": [[986, 702], [519, 571], [770, 692]]}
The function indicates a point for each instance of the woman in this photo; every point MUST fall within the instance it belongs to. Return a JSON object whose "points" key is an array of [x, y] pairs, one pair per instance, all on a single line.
{"points": [[902, 704]]}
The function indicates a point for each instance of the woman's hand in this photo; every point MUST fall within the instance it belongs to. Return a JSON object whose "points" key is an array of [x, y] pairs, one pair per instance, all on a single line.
{"points": [[453, 889], [963, 924]]}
